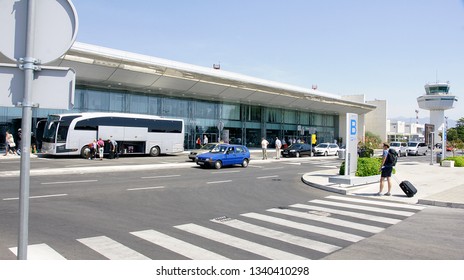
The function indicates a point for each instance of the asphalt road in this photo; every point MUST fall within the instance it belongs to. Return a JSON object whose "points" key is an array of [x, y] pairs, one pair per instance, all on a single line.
{"points": [[186, 212]]}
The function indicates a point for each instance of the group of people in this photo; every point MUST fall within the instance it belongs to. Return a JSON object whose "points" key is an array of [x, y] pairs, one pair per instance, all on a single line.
{"points": [[99, 146], [265, 143], [199, 143], [14, 147]]}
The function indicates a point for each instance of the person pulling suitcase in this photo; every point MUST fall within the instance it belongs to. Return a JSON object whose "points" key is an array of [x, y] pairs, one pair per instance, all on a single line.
{"points": [[386, 169]]}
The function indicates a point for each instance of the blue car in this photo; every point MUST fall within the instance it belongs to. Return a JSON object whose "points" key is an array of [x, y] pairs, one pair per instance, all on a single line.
{"points": [[224, 155]]}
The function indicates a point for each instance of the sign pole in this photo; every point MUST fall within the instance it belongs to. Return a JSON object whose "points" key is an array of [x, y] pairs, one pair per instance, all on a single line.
{"points": [[27, 64]]}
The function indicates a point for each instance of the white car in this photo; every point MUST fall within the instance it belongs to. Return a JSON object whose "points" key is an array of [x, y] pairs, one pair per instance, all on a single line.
{"points": [[325, 149], [417, 148], [400, 148]]}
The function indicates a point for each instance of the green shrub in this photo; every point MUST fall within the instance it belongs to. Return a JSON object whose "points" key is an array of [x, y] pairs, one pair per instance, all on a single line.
{"points": [[458, 161], [366, 167]]}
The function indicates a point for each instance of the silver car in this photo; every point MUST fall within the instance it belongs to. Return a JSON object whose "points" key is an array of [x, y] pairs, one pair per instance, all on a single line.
{"points": [[417, 148], [204, 149]]}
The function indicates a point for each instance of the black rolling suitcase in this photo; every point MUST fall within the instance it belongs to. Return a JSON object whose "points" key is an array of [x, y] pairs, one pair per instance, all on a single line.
{"points": [[408, 188]]}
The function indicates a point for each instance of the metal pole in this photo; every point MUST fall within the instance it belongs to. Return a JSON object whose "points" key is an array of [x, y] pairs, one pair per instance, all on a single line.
{"points": [[431, 134], [443, 146], [28, 67]]}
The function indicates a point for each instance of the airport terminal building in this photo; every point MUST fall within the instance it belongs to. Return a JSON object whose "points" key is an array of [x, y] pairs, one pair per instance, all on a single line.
{"points": [[222, 105]]}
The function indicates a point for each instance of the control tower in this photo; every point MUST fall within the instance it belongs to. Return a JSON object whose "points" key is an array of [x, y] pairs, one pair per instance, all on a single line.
{"points": [[437, 99]]}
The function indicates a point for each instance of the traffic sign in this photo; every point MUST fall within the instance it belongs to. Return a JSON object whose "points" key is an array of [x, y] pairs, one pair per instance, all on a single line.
{"points": [[34, 32], [55, 29], [53, 87]]}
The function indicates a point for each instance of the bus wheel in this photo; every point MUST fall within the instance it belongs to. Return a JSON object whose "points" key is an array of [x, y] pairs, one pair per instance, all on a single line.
{"points": [[155, 151], [85, 152]]}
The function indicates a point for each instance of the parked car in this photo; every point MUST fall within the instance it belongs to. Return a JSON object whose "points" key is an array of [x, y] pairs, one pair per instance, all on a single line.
{"points": [[400, 148], [326, 149], [224, 155], [364, 151], [204, 149], [417, 148], [297, 150]]}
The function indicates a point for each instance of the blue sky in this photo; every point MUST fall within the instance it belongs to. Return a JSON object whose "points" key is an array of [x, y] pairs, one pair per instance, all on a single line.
{"points": [[386, 50]]}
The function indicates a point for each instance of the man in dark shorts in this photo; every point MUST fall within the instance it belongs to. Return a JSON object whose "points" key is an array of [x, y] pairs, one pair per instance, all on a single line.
{"points": [[386, 168]]}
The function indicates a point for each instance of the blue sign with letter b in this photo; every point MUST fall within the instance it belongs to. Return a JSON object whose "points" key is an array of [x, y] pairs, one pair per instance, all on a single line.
{"points": [[353, 130]]}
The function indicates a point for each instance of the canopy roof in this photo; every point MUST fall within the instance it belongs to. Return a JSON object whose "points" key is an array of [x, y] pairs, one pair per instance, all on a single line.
{"points": [[120, 70]]}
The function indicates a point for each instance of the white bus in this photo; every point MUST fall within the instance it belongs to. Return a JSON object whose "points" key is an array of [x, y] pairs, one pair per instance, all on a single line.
{"points": [[71, 134]]}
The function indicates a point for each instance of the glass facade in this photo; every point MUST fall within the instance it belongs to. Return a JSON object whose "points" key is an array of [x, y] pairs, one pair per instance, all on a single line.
{"points": [[242, 123]]}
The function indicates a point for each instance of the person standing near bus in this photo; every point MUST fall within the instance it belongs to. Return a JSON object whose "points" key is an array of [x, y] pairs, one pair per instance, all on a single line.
{"points": [[205, 140], [101, 147], [198, 143], [113, 149]]}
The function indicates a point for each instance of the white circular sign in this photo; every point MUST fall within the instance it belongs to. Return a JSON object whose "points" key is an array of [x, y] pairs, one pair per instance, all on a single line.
{"points": [[55, 29]]}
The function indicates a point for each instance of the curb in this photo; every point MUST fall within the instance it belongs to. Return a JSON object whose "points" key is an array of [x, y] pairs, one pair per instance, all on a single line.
{"points": [[441, 203], [340, 190]]}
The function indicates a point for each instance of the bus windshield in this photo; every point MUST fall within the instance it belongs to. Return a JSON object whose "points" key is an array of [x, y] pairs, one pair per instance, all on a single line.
{"points": [[54, 123], [50, 129]]}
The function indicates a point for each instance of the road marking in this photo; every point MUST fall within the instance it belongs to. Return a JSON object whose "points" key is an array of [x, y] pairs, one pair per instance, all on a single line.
{"points": [[39, 196], [328, 220], [40, 252], [376, 202], [366, 208], [68, 182], [293, 163], [281, 236], [273, 168], [165, 176], [224, 172], [178, 246], [348, 214], [240, 243], [111, 249], [266, 177], [305, 227], [219, 182], [146, 188]]}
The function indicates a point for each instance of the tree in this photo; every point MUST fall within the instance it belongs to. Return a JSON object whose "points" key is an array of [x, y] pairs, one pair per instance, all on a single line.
{"points": [[452, 134], [372, 140], [456, 133], [460, 128], [455, 136]]}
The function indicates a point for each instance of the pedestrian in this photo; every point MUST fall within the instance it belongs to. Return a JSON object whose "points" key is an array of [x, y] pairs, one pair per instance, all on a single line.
{"points": [[114, 147], [19, 140], [205, 139], [278, 145], [386, 169], [111, 149], [93, 149], [198, 143], [9, 144], [101, 148], [264, 144]]}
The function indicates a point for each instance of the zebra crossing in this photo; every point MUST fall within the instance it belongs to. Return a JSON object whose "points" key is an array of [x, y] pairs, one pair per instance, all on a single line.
{"points": [[300, 231]]}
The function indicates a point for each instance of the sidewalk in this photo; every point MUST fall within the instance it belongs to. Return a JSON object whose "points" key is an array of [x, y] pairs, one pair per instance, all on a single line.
{"points": [[436, 185]]}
